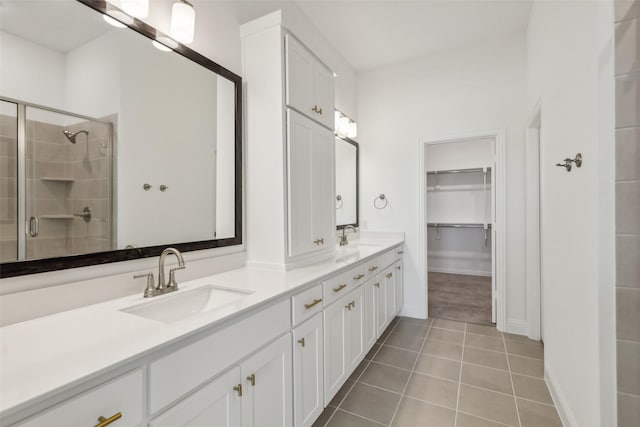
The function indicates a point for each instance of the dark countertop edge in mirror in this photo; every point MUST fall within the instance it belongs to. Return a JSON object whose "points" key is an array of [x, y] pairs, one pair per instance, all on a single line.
{"points": [[355, 144], [22, 268]]}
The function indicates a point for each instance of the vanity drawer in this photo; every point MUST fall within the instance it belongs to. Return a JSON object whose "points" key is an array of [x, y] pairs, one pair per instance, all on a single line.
{"points": [[181, 371], [371, 268], [342, 284], [386, 259], [120, 396], [306, 304]]}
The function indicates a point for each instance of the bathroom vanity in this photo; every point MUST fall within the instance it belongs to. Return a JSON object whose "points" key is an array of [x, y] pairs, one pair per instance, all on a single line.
{"points": [[246, 347]]}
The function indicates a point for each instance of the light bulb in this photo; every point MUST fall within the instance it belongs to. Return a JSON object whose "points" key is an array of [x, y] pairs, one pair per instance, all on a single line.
{"points": [[183, 22], [111, 21], [135, 8]]}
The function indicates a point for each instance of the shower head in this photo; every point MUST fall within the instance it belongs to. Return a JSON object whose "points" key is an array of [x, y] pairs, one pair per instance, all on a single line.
{"points": [[71, 136]]}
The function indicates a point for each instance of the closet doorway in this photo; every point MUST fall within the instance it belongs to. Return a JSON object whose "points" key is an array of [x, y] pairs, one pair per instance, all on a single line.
{"points": [[462, 196]]}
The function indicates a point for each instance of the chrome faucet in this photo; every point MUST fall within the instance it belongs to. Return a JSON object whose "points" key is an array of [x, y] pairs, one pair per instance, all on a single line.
{"points": [[163, 287], [343, 239]]}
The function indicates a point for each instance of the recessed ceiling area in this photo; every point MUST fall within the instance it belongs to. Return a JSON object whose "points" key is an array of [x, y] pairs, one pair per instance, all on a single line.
{"points": [[372, 33]]}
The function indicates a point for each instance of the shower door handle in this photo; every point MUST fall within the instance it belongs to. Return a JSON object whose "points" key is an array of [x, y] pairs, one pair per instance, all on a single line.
{"points": [[34, 226]]}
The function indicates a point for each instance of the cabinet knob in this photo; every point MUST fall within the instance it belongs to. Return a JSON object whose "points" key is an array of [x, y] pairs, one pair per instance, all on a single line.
{"points": [[106, 421], [252, 379], [315, 302], [339, 288], [301, 341], [389, 276], [238, 389]]}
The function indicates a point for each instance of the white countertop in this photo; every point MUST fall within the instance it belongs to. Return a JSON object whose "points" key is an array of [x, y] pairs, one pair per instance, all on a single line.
{"points": [[45, 356]]}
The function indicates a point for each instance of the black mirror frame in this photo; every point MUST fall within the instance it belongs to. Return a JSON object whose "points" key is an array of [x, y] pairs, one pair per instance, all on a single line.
{"points": [[21, 268], [355, 144]]}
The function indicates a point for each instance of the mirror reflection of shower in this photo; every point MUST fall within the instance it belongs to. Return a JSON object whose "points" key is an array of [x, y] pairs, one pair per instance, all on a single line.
{"points": [[71, 136]]}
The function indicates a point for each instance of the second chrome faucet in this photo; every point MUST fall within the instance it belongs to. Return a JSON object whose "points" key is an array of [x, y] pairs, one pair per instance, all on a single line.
{"points": [[163, 286]]}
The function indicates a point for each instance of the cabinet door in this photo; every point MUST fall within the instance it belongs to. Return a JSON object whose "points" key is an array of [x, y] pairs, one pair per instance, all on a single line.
{"points": [[308, 371], [379, 287], [267, 395], [335, 350], [399, 286], [300, 165], [356, 326], [216, 404], [324, 95], [370, 331], [390, 293], [300, 70], [323, 182]]}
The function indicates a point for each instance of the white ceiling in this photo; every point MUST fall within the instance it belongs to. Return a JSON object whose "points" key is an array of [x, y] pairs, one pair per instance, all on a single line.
{"points": [[373, 33]]}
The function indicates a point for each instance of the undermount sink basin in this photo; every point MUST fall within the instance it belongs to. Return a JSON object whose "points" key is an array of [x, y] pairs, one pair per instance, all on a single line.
{"points": [[182, 304], [345, 253]]}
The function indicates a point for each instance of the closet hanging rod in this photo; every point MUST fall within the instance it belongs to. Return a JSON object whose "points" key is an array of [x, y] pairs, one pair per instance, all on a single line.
{"points": [[456, 225], [443, 172]]}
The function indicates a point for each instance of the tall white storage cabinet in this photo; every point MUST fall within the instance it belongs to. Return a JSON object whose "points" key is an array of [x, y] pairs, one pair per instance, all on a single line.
{"points": [[290, 149]]}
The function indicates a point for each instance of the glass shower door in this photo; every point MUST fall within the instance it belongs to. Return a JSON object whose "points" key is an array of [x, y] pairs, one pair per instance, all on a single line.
{"points": [[68, 201]]}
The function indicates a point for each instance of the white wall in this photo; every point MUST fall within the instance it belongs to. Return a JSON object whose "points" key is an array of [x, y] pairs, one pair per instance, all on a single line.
{"points": [[570, 57], [474, 88]]}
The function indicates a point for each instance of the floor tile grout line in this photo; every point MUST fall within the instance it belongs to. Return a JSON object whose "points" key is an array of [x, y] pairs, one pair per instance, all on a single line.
{"points": [[357, 415], [464, 338], [485, 419], [395, 412], [363, 370], [513, 388]]}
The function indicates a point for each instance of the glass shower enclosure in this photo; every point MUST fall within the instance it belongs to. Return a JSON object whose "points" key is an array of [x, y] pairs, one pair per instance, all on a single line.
{"points": [[56, 192]]}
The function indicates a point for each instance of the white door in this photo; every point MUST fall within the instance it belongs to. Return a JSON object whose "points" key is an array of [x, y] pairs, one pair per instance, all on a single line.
{"points": [[494, 240], [308, 371], [216, 404], [370, 331], [399, 286], [266, 378], [356, 330], [300, 164], [300, 70], [335, 350], [323, 210]]}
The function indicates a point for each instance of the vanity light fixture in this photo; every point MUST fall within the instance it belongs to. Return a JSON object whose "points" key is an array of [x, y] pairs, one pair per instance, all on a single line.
{"points": [[115, 16], [136, 8], [165, 44], [345, 127], [183, 21], [111, 21]]}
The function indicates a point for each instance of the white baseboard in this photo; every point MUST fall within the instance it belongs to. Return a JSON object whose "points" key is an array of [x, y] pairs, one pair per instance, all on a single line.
{"points": [[562, 406], [459, 271], [518, 327]]}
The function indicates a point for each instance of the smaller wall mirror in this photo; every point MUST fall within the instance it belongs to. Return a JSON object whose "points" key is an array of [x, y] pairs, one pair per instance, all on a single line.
{"points": [[347, 173]]}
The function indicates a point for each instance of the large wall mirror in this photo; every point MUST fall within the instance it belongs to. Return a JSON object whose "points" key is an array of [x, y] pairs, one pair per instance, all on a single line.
{"points": [[347, 171], [111, 148]]}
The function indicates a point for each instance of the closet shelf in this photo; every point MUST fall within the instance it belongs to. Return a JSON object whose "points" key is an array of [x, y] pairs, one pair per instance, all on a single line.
{"points": [[452, 171], [57, 179], [61, 216], [468, 187], [457, 225]]}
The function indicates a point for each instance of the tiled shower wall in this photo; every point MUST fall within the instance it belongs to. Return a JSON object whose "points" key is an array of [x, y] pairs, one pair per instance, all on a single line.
{"points": [[627, 70], [62, 178], [8, 189]]}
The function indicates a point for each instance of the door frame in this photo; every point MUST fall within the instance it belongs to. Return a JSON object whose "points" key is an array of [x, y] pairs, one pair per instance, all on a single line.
{"points": [[499, 136], [533, 227]]}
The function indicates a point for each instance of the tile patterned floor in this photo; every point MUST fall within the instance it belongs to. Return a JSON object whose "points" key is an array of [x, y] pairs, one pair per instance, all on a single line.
{"points": [[443, 373]]}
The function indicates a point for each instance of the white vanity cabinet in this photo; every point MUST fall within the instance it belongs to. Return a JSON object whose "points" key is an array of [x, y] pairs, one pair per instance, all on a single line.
{"points": [[309, 83], [310, 184], [308, 371], [370, 330]]}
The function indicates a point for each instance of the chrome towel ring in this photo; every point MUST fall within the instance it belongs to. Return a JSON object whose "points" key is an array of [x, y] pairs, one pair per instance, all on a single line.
{"points": [[339, 201], [383, 199]]}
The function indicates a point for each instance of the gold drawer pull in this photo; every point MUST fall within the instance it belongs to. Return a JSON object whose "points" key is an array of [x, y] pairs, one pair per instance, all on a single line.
{"points": [[315, 302], [252, 379], [301, 341], [353, 304], [389, 276], [339, 288], [400, 252], [358, 277], [319, 241], [348, 306], [238, 388], [374, 268], [377, 284], [106, 421], [316, 109]]}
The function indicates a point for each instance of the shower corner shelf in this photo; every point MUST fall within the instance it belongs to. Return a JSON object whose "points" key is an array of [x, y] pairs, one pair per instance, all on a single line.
{"points": [[57, 179], [59, 216]]}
